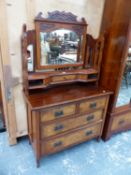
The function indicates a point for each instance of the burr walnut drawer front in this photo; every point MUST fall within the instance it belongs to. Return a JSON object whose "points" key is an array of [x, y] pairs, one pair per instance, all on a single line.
{"points": [[63, 78], [121, 121], [58, 112], [82, 77], [92, 104], [71, 139], [61, 126]]}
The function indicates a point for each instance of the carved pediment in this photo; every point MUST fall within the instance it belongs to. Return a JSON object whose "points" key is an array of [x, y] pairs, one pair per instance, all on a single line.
{"points": [[60, 16]]}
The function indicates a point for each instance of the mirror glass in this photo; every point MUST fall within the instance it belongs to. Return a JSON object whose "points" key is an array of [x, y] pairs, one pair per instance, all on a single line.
{"points": [[125, 89], [60, 47], [30, 57]]}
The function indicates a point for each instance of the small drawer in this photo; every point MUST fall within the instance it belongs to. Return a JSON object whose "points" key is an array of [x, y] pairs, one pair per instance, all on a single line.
{"points": [[58, 127], [63, 78], [92, 104], [82, 77], [121, 121], [58, 112], [71, 139]]}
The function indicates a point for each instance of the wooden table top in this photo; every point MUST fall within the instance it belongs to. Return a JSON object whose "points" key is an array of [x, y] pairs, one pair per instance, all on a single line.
{"points": [[62, 95]]}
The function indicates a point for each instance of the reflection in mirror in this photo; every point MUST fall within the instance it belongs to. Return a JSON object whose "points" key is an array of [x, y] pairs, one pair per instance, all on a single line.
{"points": [[125, 89], [30, 57], [60, 47]]}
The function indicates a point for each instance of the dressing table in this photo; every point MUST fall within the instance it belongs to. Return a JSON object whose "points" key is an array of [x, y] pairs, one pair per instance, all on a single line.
{"points": [[61, 69]]}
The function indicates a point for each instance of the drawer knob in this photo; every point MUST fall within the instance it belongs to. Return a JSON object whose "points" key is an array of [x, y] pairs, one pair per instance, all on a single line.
{"points": [[121, 122], [90, 117], [59, 143], [58, 127], [89, 133], [93, 105], [58, 113]]}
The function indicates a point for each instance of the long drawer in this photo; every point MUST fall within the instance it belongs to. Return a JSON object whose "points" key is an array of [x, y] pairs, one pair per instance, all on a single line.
{"points": [[60, 126], [76, 137], [92, 104], [58, 112], [121, 121]]}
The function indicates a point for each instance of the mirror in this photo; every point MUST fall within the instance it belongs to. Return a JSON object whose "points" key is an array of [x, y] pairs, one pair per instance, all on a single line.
{"points": [[60, 46], [60, 41], [125, 88], [30, 58]]}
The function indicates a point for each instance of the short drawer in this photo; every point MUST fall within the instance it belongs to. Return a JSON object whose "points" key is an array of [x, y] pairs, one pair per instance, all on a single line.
{"points": [[82, 77], [63, 78], [88, 105], [71, 139], [58, 127], [121, 121], [58, 112]]}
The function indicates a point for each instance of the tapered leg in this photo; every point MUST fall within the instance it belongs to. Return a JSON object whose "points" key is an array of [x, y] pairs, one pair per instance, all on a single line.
{"points": [[98, 139], [38, 163], [29, 142]]}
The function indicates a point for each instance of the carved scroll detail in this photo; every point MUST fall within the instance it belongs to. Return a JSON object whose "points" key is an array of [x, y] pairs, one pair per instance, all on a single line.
{"points": [[60, 16]]}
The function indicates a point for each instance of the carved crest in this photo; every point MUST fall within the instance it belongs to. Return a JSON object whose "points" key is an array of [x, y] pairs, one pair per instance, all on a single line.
{"points": [[60, 16]]}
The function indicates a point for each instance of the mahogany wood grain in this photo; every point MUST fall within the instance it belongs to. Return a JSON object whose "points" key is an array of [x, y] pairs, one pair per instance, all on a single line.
{"points": [[29, 114], [65, 106], [113, 56], [39, 75], [50, 24], [115, 26], [81, 72], [43, 107], [27, 38], [36, 136], [64, 94], [122, 109], [94, 51], [42, 75], [44, 80]]}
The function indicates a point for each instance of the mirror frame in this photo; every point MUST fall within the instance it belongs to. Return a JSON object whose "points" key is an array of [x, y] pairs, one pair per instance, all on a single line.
{"points": [[59, 20]]}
